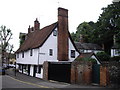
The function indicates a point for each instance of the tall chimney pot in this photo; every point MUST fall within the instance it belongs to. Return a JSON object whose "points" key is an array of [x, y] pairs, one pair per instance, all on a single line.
{"points": [[36, 24]]}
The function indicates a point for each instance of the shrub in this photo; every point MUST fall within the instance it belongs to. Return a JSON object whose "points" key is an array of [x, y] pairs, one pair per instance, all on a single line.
{"points": [[87, 59], [102, 56], [115, 58]]}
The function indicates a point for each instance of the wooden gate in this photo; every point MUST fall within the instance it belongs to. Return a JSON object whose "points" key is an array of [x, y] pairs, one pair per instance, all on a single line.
{"points": [[96, 74]]}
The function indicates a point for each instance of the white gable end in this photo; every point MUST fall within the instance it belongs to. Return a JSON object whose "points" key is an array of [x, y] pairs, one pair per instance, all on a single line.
{"points": [[71, 47], [44, 54]]}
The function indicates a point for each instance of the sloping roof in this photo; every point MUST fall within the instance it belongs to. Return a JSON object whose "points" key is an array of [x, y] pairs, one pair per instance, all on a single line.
{"points": [[37, 38], [78, 45], [86, 55], [87, 46], [73, 43]]}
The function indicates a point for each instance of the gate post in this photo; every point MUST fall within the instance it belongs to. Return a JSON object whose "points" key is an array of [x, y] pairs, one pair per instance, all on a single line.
{"points": [[45, 70], [104, 77], [72, 80]]}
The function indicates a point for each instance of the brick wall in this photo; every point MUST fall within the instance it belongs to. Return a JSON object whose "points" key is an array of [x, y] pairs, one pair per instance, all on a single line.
{"points": [[103, 76], [81, 72], [110, 74], [45, 70]]}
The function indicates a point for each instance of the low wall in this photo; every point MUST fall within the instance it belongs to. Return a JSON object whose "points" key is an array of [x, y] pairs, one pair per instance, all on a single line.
{"points": [[81, 72], [110, 73]]}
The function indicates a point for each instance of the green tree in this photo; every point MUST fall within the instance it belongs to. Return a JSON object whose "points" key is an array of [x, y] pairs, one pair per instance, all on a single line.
{"points": [[104, 30], [22, 37], [108, 25], [73, 35], [85, 29]]}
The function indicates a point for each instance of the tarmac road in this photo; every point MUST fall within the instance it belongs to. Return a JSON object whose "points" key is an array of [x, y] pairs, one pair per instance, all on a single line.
{"points": [[24, 81]]}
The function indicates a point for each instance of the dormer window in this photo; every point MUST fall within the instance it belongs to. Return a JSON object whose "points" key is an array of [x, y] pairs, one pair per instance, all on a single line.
{"points": [[55, 33]]}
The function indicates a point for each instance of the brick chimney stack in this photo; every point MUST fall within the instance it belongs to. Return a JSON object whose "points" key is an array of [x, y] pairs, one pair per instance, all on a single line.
{"points": [[63, 34], [36, 24]]}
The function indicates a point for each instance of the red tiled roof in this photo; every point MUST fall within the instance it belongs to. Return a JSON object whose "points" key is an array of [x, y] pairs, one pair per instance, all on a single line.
{"points": [[37, 38]]}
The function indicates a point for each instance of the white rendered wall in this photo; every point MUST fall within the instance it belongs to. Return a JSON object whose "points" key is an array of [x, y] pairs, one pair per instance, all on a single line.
{"points": [[41, 54], [51, 43], [31, 70], [112, 52], [71, 47], [95, 59], [27, 58]]}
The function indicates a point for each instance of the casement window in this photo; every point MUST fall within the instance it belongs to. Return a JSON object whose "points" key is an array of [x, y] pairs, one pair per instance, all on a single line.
{"points": [[39, 69], [31, 52], [51, 52], [22, 54], [72, 53], [55, 33], [117, 51], [17, 55]]}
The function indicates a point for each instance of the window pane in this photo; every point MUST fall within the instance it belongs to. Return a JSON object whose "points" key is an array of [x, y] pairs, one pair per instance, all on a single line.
{"points": [[50, 52], [18, 55], [55, 33], [22, 54], [72, 53], [31, 52]]}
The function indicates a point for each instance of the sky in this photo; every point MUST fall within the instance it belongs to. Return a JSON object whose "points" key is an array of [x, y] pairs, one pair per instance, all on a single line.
{"points": [[19, 14]]}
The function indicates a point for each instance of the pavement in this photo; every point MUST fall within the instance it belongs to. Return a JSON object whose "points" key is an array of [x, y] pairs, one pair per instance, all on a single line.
{"points": [[34, 80], [45, 84]]}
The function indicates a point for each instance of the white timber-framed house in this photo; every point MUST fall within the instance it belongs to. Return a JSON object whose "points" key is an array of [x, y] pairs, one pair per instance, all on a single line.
{"points": [[52, 43]]}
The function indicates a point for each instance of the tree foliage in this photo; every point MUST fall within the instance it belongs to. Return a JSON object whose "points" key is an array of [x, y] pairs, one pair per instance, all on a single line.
{"points": [[108, 24], [105, 30], [22, 37], [86, 30]]}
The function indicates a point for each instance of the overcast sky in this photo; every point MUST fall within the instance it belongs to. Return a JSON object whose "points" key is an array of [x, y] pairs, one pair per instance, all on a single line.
{"points": [[19, 14]]}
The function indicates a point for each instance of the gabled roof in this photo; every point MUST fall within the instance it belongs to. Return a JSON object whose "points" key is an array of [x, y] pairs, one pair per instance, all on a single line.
{"points": [[78, 45], [37, 38], [86, 55], [87, 46]]}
